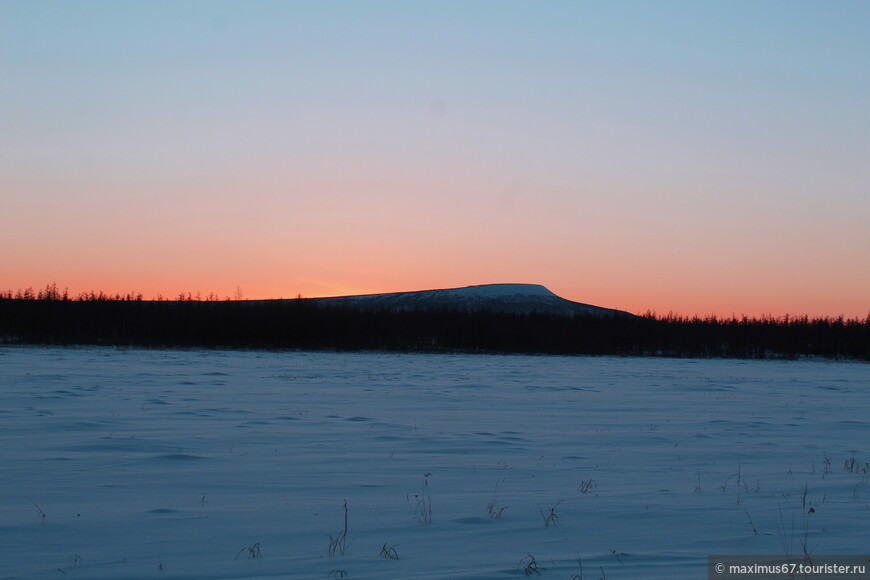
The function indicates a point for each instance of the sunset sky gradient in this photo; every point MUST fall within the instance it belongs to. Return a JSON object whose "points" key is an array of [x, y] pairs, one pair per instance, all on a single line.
{"points": [[696, 157]]}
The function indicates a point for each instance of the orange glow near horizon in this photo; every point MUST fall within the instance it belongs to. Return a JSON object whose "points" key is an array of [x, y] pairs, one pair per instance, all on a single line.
{"points": [[629, 252], [660, 301]]}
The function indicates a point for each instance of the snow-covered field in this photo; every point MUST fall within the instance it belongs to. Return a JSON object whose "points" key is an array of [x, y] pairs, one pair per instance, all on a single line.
{"points": [[188, 464]]}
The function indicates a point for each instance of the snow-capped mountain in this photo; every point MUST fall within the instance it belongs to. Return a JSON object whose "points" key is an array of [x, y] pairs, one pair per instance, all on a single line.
{"points": [[508, 298]]}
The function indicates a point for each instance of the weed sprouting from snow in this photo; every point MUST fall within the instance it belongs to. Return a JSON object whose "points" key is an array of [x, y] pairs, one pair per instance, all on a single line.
{"points": [[530, 565], [739, 475], [389, 552], [497, 514], [740, 483], [339, 543], [423, 513], [252, 550], [42, 517], [853, 466], [337, 573], [550, 516], [826, 467], [751, 523], [807, 550], [587, 486], [849, 465], [76, 558], [579, 575], [786, 538], [491, 510]]}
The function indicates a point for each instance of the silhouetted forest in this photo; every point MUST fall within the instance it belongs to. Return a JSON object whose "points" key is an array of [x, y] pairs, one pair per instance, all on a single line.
{"points": [[52, 317]]}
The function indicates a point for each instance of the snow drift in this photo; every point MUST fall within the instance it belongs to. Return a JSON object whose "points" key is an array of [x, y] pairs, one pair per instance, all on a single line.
{"points": [[503, 298]]}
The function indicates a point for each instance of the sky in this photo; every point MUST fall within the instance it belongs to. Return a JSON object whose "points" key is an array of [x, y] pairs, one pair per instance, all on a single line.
{"points": [[693, 157]]}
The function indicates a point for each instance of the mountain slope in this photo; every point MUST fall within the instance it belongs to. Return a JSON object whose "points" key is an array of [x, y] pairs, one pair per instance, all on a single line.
{"points": [[505, 298]]}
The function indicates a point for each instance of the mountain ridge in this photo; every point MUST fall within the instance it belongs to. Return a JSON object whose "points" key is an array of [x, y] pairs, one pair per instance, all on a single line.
{"points": [[501, 298]]}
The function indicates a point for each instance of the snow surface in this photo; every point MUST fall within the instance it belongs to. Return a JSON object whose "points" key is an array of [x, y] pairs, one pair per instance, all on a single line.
{"points": [[511, 298], [498, 290], [182, 464], [481, 291]]}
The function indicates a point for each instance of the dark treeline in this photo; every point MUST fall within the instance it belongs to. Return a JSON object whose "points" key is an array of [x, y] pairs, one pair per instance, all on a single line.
{"points": [[51, 317]]}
